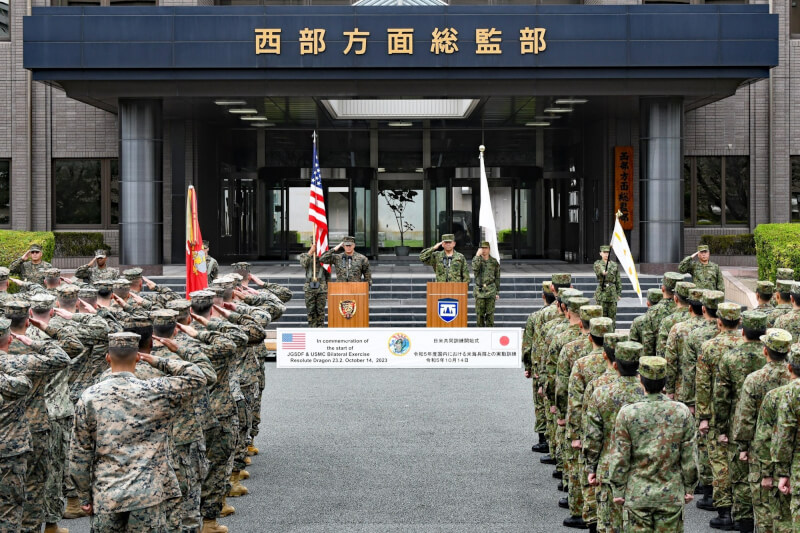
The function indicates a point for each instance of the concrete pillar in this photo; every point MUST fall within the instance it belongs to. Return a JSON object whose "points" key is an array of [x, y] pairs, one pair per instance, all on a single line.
{"points": [[660, 179], [140, 166]]}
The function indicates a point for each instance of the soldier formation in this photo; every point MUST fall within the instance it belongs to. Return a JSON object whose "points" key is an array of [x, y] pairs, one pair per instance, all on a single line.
{"points": [[136, 407], [700, 397]]}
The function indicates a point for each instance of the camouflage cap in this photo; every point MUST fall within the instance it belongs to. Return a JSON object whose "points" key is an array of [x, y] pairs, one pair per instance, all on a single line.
{"points": [[729, 311], [566, 293], [777, 340], [100, 253], [605, 248], [611, 340], [132, 274], [784, 273], [784, 285], [35, 247], [484, 244], [547, 287], [670, 279], [225, 282], [653, 367], [201, 297], [794, 352], [349, 240], [599, 326], [712, 299], [561, 279], [107, 284], [448, 237], [696, 294], [5, 326], [181, 307], [754, 320], [123, 342], [122, 283], [42, 302], [589, 312], [702, 248], [683, 288], [164, 317], [628, 351], [51, 273], [654, 295], [87, 292], [68, 291], [217, 289], [765, 287], [576, 302], [136, 321], [241, 266], [17, 309], [235, 277], [4, 273]]}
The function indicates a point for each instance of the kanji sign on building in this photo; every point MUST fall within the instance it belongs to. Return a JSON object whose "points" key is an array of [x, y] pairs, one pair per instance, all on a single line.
{"points": [[623, 185]]}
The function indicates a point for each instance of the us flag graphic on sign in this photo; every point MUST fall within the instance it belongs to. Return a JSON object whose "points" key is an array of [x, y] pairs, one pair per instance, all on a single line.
{"points": [[293, 341]]}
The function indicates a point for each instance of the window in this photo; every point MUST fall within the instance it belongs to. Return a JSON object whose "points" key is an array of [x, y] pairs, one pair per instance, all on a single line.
{"points": [[93, 192], [5, 195], [716, 191], [5, 21], [105, 3], [795, 188], [794, 18]]}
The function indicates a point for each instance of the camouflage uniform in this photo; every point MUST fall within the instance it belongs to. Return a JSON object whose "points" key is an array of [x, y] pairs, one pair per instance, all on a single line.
{"points": [[783, 286], [316, 299], [609, 287], [487, 287], [349, 268], [453, 268], [706, 276], [681, 369], [534, 322], [92, 274], [111, 429], [29, 271], [785, 447], [652, 465], [212, 268], [790, 322], [657, 313], [654, 296]]}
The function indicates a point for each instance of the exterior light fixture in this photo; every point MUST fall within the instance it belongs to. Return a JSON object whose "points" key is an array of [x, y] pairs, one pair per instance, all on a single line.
{"points": [[558, 110], [230, 102], [571, 101], [537, 123], [400, 124], [243, 111]]}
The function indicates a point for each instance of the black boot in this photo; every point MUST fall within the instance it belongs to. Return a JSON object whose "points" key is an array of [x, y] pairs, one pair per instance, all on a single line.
{"points": [[746, 525], [542, 446], [575, 522], [564, 503], [593, 527], [706, 503], [698, 489], [547, 460], [562, 487], [723, 520], [557, 474]]}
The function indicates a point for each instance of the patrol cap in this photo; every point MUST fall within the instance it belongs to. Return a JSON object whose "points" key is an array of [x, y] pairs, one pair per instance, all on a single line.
{"points": [[576, 302], [784, 273], [104, 284], [712, 299], [794, 352], [4, 273], [566, 295], [225, 282], [547, 287], [561, 279], [136, 321], [201, 297], [784, 285], [605, 248], [652, 367], [702, 248], [484, 244], [754, 320], [51, 273], [670, 279], [235, 277], [601, 325], [181, 307], [777, 340], [654, 295], [87, 293], [589, 312], [35, 247], [241, 266], [122, 283], [628, 351], [696, 294], [448, 237], [217, 289], [683, 288], [5, 326], [42, 302], [100, 253], [124, 342], [765, 287], [729, 311], [164, 317], [132, 274], [350, 240], [612, 340], [68, 291], [17, 309]]}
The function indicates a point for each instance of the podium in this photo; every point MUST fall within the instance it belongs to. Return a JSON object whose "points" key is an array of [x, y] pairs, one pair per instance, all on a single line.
{"points": [[348, 304], [447, 304]]}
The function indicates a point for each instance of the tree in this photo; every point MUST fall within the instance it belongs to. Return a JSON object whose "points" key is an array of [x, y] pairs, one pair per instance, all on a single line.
{"points": [[397, 200]]}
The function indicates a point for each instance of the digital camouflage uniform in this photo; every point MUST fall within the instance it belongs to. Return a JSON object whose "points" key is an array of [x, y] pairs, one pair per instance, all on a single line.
{"points": [[609, 287], [534, 322], [636, 332], [486, 288], [790, 322], [783, 286], [28, 271], [93, 274], [707, 276], [785, 447], [652, 465], [349, 268], [212, 268], [446, 268], [656, 313], [681, 368], [316, 299]]}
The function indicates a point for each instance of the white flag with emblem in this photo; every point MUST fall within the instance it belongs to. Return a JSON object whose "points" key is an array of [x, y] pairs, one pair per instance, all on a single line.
{"points": [[486, 215], [623, 252]]}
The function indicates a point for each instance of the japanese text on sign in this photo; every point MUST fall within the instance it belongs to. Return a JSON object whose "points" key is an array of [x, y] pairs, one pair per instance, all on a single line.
{"points": [[623, 185]]}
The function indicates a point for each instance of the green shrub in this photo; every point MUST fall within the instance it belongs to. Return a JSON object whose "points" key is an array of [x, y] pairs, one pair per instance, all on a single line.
{"points": [[506, 236], [743, 244], [13, 244], [79, 243], [777, 246]]}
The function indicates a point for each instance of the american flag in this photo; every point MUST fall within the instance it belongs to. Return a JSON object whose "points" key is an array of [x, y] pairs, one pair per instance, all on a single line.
{"points": [[293, 341], [316, 207]]}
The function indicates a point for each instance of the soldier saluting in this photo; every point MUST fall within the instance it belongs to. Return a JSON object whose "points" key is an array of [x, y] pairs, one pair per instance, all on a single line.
{"points": [[350, 265], [32, 270], [486, 270], [448, 265]]}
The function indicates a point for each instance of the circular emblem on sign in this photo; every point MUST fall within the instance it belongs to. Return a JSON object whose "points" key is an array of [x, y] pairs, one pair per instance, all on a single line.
{"points": [[399, 344], [347, 308]]}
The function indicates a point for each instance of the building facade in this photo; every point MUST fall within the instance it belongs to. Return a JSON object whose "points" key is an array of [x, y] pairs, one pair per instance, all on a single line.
{"points": [[710, 153]]}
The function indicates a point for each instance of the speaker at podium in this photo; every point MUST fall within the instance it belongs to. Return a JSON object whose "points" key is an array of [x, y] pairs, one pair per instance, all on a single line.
{"points": [[348, 304], [447, 304]]}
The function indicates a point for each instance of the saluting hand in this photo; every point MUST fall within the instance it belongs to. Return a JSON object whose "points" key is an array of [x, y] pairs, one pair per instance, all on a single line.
{"points": [[38, 324], [87, 306], [189, 330], [222, 311], [26, 255], [147, 358], [62, 313], [202, 320], [169, 344], [150, 283], [229, 305], [24, 339]]}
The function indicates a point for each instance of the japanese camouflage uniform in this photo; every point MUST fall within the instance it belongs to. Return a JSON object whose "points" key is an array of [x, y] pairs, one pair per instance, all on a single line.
{"points": [[446, 268], [609, 285], [681, 369], [349, 267], [655, 314], [316, 299], [790, 321], [534, 322], [487, 287], [766, 289], [92, 274], [29, 271], [680, 314], [654, 296], [707, 276], [783, 286], [652, 465]]}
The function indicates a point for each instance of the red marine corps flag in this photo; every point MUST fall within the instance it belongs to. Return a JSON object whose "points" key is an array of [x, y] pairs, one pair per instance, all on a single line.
{"points": [[196, 278]]}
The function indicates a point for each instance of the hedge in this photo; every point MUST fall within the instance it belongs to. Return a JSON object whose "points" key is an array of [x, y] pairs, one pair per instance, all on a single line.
{"points": [[14, 244], [743, 244], [777, 246], [79, 244]]}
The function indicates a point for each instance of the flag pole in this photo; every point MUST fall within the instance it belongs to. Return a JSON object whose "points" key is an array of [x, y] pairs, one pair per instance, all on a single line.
{"points": [[314, 284]]}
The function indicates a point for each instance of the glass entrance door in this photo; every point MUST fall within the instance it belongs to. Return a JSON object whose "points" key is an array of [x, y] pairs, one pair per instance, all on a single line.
{"points": [[400, 212]]}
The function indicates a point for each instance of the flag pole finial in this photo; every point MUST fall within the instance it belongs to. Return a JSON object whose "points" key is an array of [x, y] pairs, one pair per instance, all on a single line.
{"points": [[482, 148], [618, 214]]}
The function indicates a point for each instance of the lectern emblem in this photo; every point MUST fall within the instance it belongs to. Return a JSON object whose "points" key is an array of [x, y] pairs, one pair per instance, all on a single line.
{"points": [[448, 309], [347, 308]]}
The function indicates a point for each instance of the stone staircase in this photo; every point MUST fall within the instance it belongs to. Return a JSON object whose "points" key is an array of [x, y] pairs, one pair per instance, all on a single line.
{"points": [[397, 299]]}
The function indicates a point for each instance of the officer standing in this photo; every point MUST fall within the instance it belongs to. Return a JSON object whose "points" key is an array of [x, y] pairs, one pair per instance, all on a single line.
{"points": [[315, 287], [350, 265], [97, 269], [486, 270], [30, 270], [705, 274], [448, 265], [212, 267], [609, 285]]}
